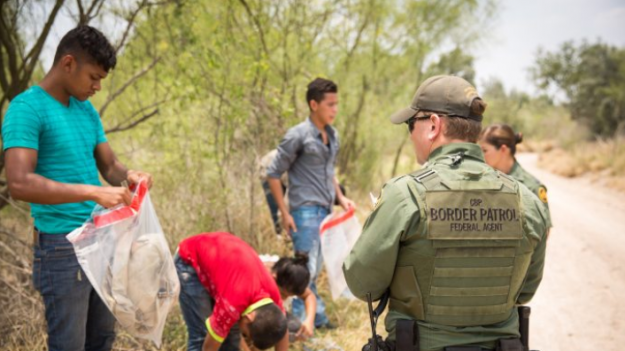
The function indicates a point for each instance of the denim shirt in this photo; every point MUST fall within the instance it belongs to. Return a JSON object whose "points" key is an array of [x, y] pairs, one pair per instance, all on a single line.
{"points": [[309, 163]]}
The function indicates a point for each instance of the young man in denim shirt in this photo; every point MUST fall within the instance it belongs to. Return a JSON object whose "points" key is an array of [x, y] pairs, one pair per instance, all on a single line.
{"points": [[308, 153]]}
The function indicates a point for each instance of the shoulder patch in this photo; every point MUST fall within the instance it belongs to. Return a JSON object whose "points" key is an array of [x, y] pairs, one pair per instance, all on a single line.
{"points": [[542, 194]]}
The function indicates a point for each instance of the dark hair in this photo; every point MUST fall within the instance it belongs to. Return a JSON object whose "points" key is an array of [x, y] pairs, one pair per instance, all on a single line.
{"points": [[502, 134], [85, 42], [268, 327], [464, 128], [318, 87], [292, 274]]}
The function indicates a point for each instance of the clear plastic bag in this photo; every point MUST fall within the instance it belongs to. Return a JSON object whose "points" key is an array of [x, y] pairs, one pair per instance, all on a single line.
{"points": [[339, 232], [125, 256]]}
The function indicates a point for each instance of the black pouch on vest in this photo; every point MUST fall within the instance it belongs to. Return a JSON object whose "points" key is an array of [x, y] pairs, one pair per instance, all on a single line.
{"points": [[407, 333], [510, 345], [464, 348]]}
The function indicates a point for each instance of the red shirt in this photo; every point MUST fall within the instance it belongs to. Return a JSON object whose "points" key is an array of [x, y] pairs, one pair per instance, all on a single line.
{"points": [[234, 276]]}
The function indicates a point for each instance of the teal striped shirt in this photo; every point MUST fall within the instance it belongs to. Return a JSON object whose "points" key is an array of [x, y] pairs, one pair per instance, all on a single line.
{"points": [[65, 138]]}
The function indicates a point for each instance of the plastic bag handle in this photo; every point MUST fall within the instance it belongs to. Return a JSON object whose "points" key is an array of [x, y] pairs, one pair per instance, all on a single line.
{"points": [[336, 221], [126, 211]]}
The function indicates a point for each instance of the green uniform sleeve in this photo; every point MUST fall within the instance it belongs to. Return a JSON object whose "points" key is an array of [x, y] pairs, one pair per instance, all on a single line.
{"points": [[534, 273], [538, 221], [370, 265]]}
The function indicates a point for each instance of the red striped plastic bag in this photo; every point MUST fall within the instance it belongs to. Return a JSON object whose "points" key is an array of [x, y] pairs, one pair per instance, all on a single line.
{"points": [[339, 232], [125, 256]]}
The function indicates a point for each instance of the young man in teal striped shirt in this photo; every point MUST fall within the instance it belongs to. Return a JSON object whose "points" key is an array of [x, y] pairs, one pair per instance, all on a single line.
{"points": [[54, 148]]}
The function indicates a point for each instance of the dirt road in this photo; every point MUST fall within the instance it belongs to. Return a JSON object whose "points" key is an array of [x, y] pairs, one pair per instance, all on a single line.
{"points": [[580, 304]]}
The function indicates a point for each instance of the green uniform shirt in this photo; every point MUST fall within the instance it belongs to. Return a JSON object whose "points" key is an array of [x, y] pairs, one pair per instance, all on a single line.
{"points": [[535, 186], [393, 238]]}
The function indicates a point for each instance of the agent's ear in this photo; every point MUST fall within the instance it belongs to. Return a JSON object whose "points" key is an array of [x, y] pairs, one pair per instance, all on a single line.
{"points": [[504, 148], [437, 127]]}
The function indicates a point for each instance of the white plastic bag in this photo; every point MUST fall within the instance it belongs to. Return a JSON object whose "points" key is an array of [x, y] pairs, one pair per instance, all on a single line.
{"points": [[125, 256], [339, 232]]}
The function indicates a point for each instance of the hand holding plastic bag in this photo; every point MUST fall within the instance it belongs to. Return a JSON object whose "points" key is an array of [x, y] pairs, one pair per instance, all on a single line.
{"points": [[125, 256]]}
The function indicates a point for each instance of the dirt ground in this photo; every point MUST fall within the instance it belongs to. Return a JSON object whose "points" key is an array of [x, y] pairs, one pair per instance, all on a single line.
{"points": [[580, 304]]}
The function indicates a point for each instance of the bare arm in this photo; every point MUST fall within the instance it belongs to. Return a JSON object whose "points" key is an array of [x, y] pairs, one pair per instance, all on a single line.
{"points": [[210, 344], [25, 185], [308, 326], [343, 201], [276, 190], [113, 170]]}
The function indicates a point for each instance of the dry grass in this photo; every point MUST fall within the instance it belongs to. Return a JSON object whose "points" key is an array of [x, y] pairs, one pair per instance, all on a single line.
{"points": [[603, 160]]}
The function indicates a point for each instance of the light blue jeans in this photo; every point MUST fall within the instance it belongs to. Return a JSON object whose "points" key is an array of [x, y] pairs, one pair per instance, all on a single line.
{"points": [[308, 221]]}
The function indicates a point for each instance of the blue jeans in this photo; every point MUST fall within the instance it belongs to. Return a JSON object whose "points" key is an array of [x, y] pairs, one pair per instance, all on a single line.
{"points": [[197, 305], [308, 221], [76, 316]]}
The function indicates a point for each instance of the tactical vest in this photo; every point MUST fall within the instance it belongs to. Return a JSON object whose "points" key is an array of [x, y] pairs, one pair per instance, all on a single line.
{"points": [[467, 263]]}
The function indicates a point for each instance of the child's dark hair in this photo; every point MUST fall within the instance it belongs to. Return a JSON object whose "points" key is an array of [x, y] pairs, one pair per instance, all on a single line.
{"points": [[85, 42], [268, 327], [292, 274], [318, 87]]}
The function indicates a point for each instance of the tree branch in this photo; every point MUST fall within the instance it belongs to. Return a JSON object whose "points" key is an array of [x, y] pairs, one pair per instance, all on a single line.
{"points": [[129, 125], [33, 55], [131, 21], [91, 13], [361, 30], [128, 83], [4, 83], [4, 196], [9, 47], [256, 22]]}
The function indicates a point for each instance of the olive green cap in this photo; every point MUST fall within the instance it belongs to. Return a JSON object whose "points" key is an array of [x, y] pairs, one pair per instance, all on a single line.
{"points": [[450, 95]]}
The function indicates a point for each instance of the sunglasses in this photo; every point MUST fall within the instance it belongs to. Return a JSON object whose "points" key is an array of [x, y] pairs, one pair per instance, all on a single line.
{"points": [[412, 120]]}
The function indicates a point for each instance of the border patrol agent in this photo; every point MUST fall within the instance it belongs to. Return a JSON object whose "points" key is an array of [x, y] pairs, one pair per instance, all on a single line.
{"points": [[457, 244], [498, 142]]}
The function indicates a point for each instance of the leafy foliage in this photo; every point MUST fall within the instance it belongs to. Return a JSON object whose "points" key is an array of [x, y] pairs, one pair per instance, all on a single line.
{"points": [[592, 77]]}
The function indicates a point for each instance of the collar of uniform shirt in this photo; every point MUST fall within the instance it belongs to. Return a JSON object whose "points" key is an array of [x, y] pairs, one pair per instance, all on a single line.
{"points": [[470, 150]]}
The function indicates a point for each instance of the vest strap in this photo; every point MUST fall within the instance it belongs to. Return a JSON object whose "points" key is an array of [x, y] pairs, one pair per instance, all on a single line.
{"points": [[508, 182], [467, 310], [429, 178]]}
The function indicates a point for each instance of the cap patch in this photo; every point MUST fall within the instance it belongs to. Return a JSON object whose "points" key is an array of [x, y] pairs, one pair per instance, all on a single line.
{"points": [[470, 92]]}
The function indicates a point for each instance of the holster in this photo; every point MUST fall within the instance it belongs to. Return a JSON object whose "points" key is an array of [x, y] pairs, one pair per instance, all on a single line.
{"points": [[407, 335]]}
